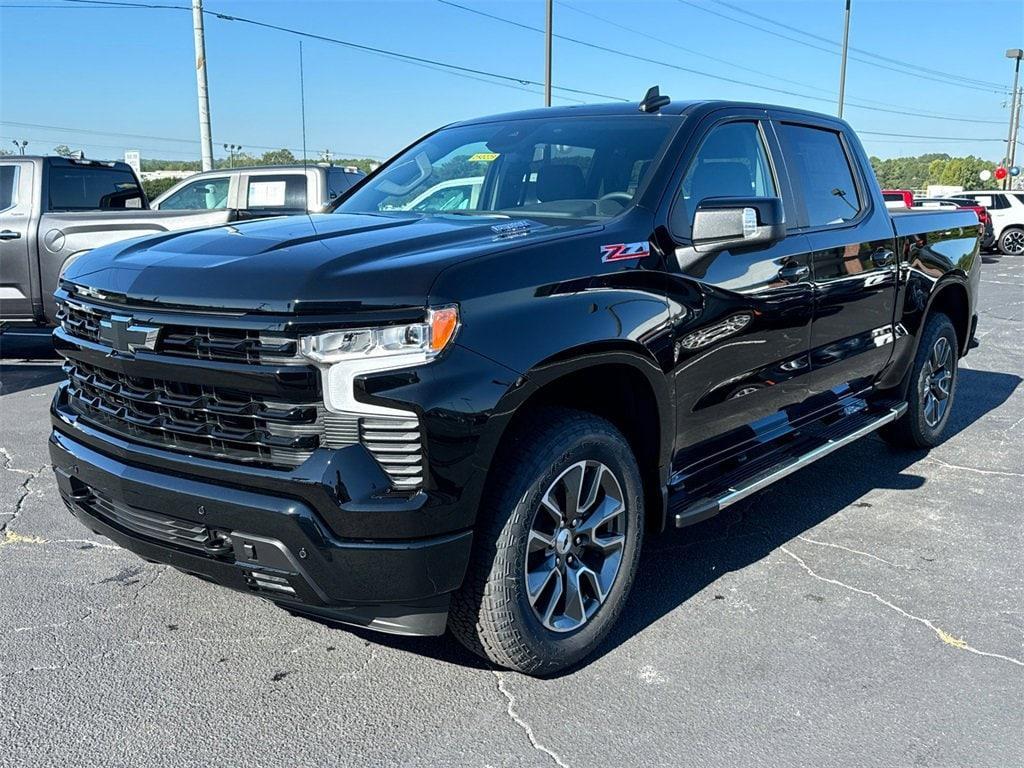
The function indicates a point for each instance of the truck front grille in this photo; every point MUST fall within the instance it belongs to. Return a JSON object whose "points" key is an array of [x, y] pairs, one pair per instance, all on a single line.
{"points": [[200, 419], [229, 345]]}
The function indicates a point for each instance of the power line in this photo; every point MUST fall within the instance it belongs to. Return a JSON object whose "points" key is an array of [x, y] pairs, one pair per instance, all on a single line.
{"points": [[863, 60], [872, 54], [920, 136], [690, 70], [761, 72], [145, 137]]}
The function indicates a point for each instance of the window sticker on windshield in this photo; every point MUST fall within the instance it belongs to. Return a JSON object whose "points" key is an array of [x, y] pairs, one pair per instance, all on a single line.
{"points": [[624, 251], [484, 157], [266, 194]]}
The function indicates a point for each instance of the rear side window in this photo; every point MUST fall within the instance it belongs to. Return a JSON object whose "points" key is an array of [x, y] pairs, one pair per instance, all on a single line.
{"points": [[339, 181], [992, 202], [8, 186], [281, 192], [818, 161], [92, 188]]}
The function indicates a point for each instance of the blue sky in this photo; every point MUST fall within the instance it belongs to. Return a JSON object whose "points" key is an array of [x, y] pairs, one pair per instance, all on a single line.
{"points": [[108, 71]]}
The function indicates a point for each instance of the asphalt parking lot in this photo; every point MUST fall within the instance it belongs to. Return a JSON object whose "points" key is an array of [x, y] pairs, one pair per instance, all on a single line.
{"points": [[866, 611]]}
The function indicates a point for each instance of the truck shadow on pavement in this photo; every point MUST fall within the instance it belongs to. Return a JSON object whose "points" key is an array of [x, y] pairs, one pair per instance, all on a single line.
{"points": [[681, 564], [27, 360]]}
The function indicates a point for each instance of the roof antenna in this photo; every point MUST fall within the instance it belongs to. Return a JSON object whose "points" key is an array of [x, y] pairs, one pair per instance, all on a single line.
{"points": [[653, 100]]}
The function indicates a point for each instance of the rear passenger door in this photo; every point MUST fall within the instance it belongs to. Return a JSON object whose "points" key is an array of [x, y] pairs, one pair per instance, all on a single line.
{"points": [[853, 262]]}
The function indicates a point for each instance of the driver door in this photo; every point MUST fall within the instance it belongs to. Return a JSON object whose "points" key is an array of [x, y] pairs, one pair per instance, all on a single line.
{"points": [[741, 315]]}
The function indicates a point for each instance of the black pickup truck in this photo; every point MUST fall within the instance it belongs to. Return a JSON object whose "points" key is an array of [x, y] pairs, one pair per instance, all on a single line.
{"points": [[469, 417]]}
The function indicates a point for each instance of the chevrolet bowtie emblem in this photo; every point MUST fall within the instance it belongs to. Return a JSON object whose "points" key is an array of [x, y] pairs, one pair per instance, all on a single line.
{"points": [[121, 334]]}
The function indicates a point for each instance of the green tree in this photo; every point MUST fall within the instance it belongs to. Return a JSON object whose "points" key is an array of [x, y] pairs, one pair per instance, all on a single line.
{"points": [[63, 150], [156, 187], [278, 157]]}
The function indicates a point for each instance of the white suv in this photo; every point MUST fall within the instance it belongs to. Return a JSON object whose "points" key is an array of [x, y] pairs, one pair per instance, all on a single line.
{"points": [[1007, 211]]}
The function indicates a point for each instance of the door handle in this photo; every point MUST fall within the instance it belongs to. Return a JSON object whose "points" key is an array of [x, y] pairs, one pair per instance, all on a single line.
{"points": [[9, 235], [882, 257], [792, 273]]}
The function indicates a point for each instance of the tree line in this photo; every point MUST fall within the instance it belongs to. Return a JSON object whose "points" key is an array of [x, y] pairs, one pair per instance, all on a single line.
{"points": [[933, 168]]}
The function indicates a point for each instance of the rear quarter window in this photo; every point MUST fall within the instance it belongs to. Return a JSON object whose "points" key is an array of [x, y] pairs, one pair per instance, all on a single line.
{"points": [[92, 188]]}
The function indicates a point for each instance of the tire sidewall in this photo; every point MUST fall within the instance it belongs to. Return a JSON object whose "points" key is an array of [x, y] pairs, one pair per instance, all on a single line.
{"points": [[938, 326], [1002, 239], [569, 647]]}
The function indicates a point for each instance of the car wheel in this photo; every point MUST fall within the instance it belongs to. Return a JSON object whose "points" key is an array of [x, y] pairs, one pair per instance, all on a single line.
{"points": [[557, 545], [1011, 241], [932, 387]]}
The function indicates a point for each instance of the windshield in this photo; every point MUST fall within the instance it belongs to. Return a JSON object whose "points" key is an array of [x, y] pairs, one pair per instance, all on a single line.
{"points": [[571, 167]]}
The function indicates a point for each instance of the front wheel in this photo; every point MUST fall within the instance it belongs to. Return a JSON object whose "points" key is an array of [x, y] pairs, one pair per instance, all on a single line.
{"points": [[932, 387], [1011, 241], [557, 545]]}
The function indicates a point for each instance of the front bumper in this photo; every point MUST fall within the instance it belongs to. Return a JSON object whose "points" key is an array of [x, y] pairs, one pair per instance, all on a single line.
{"points": [[273, 544]]}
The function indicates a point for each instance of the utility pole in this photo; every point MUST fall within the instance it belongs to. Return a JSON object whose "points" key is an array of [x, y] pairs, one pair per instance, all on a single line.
{"points": [[842, 65], [204, 97], [1011, 137], [547, 57], [1014, 136]]}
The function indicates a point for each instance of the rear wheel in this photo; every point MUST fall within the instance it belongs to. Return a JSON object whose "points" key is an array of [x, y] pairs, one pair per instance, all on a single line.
{"points": [[1011, 241], [557, 545], [932, 387]]}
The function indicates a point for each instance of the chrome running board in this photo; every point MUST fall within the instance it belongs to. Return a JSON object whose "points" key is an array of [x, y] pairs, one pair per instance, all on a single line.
{"points": [[702, 509]]}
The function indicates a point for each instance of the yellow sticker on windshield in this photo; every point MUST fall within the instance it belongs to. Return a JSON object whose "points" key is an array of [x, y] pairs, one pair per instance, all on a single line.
{"points": [[484, 157]]}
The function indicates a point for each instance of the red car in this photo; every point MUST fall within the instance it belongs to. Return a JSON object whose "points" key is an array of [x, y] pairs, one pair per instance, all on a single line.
{"points": [[898, 198]]}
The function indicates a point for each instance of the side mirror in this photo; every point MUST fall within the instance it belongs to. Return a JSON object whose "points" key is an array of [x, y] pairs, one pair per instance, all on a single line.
{"points": [[737, 222]]}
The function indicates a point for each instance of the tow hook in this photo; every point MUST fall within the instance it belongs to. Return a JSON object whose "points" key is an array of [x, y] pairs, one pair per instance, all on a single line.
{"points": [[218, 544]]}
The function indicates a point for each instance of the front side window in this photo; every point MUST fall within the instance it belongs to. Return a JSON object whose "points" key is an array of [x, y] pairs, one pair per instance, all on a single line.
{"points": [[821, 168], [571, 167], [286, 191], [201, 195], [8, 186], [731, 162], [92, 188]]}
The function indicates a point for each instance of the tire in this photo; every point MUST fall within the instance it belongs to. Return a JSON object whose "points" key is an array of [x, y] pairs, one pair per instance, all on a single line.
{"points": [[1011, 241], [924, 424], [493, 614]]}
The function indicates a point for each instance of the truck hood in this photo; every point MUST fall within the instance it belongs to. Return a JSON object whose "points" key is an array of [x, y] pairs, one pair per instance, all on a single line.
{"points": [[300, 263]]}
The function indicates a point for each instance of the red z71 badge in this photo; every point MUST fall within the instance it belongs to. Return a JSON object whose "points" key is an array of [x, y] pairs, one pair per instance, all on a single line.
{"points": [[624, 251]]}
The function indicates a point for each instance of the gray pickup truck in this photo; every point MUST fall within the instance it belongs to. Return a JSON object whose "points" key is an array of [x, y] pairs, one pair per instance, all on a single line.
{"points": [[55, 209], [262, 191]]}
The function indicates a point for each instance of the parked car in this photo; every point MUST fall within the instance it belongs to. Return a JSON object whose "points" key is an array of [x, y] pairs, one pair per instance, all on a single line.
{"points": [[988, 238], [259, 192], [450, 195], [1007, 211], [898, 198], [471, 419], [53, 210]]}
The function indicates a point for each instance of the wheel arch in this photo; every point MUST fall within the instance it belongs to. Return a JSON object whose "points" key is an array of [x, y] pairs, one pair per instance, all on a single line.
{"points": [[620, 384]]}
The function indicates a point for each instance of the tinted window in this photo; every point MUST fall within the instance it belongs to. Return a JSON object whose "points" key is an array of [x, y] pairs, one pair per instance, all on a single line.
{"points": [[286, 191], [202, 195], [732, 162], [821, 168], [92, 188], [447, 199], [578, 167], [8, 186], [339, 181], [993, 201]]}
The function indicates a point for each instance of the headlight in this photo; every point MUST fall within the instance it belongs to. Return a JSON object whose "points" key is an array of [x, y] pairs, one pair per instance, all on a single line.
{"points": [[343, 355], [422, 340]]}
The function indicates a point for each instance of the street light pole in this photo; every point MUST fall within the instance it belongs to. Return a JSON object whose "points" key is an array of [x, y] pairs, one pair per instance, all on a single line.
{"points": [[547, 56], [205, 137], [842, 65], [1011, 137]]}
